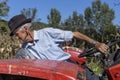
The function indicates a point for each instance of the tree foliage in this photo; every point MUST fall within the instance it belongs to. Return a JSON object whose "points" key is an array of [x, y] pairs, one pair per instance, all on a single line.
{"points": [[75, 22], [4, 9], [3, 26], [100, 17], [54, 18], [29, 13]]}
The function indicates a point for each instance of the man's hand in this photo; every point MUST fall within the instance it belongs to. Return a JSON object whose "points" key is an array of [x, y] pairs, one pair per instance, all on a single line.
{"points": [[101, 47]]}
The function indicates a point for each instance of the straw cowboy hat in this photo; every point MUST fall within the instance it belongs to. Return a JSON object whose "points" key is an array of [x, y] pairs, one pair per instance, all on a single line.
{"points": [[16, 22]]}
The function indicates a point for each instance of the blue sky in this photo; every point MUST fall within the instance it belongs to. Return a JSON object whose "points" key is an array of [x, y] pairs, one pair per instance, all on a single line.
{"points": [[65, 7]]}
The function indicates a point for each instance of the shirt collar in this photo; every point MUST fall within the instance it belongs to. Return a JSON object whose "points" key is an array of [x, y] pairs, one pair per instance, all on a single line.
{"points": [[36, 38]]}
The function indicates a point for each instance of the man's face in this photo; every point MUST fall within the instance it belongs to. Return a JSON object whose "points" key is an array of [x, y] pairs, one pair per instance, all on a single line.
{"points": [[21, 34]]}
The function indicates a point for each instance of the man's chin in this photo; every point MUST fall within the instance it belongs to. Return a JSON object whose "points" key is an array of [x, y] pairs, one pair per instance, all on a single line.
{"points": [[23, 41]]}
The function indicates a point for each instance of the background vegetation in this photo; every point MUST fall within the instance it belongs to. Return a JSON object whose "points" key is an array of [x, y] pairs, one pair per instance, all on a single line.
{"points": [[96, 23]]}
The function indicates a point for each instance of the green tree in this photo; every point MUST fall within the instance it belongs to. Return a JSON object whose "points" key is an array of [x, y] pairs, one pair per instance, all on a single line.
{"points": [[3, 26], [79, 22], [4, 9], [67, 25], [38, 25], [76, 22], [29, 13], [54, 18], [100, 17]]}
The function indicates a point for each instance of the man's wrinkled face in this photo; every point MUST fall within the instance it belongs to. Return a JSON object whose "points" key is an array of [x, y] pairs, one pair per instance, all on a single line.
{"points": [[21, 34]]}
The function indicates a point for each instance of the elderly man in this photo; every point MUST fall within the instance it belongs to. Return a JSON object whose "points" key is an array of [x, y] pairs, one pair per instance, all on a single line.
{"points": [[44, 43]]}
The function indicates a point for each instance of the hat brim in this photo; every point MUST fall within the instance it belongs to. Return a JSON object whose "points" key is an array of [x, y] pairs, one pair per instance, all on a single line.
{"points": [[22, 23]]}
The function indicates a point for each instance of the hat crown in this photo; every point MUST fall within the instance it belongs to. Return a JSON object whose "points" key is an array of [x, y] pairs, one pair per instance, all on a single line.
{"points": [[16, 22]]}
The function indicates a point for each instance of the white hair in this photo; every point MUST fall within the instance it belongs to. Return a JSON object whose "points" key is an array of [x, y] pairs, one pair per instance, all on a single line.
{"points": [[27, 24]]}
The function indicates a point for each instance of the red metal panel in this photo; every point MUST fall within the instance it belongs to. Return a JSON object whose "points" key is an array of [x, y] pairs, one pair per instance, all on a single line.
{"points": [[74, 52], [46, 69], [114, 72]]}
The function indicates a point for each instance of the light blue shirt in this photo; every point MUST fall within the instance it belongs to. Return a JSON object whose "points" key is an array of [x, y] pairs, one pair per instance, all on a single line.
{"points": [[47, 44]]}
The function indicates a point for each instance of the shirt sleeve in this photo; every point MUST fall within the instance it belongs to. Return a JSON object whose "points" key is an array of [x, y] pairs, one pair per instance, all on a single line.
{"points": [[22, 54], [59, 35]]}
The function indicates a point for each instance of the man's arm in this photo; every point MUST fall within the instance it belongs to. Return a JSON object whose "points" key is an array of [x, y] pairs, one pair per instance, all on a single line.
{"points": [[100, 46]]}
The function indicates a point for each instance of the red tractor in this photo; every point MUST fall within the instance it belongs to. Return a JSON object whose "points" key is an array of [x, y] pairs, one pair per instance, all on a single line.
{"points": [[24, 69]]}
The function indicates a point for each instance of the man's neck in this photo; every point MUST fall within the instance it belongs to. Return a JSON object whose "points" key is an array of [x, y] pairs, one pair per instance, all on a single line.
{"points": [[31, 36]]}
